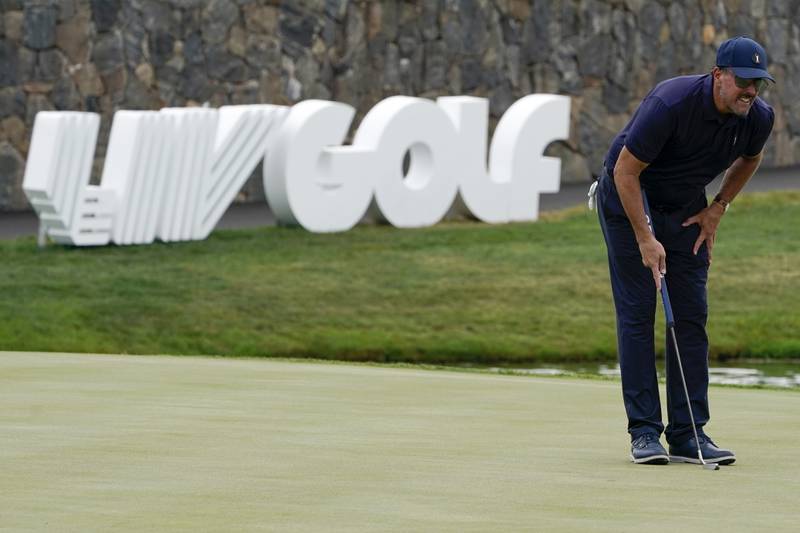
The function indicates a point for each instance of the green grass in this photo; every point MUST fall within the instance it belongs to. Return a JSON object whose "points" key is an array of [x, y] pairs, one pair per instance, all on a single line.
{"points": [[455, 292], [110, 443]]}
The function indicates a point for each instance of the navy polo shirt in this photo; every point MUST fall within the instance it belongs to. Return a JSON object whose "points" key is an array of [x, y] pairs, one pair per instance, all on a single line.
{"points": [[686, 141]]}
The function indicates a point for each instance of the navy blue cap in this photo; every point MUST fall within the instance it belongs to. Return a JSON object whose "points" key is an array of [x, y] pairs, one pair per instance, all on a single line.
{"points": [[745, 57]]}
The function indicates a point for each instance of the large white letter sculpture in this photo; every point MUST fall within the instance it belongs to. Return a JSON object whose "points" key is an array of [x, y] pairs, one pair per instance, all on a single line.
{"points": [[242, 137], [518, 173], [522, 134], [403, 124], [171, 174], [57, 179], [310, 180]]}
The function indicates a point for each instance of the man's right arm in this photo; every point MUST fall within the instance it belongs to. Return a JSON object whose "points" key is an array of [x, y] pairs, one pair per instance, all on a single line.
{"points": [[626, 179]]}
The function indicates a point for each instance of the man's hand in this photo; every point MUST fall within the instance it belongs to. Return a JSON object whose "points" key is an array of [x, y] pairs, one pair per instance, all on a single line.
{"points": [[655, 258], [626, 178], [708, 220]]}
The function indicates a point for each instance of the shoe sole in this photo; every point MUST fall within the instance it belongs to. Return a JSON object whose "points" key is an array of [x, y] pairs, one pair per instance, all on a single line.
{"points": [[652, 460], [724, 460]]}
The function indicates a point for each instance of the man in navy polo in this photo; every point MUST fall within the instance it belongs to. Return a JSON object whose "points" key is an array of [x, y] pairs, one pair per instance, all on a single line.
{"points": [[686, 131]]}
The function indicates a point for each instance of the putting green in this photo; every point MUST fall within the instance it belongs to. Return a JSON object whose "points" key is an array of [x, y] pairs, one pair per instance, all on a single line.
{"points": [[113, 443]]}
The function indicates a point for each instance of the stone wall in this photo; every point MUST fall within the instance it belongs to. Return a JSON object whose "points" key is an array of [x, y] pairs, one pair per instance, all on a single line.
{"points": [[103, 55]]}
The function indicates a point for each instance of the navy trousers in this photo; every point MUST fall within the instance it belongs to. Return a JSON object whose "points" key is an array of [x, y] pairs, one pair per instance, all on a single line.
{"points": [[635, 300]]}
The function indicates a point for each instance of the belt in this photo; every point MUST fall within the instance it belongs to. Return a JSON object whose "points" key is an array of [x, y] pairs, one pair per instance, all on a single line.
{"points": [[665, 209]]}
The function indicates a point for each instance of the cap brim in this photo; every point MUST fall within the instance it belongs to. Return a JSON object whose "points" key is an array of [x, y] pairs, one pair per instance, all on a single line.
{"points": [[751, 73]]}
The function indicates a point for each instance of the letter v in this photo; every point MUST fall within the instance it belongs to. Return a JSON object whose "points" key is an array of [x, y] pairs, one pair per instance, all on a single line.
{"points": [[243, 136]]}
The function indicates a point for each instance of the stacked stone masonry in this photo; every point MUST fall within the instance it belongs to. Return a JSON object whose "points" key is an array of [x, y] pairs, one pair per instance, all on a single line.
{"points": [[105, 55]]}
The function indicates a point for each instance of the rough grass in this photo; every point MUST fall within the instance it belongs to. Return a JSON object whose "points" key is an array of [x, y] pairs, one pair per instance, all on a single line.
{"points": [[455, 292]]}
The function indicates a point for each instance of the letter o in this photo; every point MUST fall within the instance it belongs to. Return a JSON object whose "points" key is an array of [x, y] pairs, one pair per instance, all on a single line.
{"points": [[401, 124]]}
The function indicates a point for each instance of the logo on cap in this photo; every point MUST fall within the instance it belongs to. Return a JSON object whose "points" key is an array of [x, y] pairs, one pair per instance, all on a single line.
{"points": [[756, 58]]}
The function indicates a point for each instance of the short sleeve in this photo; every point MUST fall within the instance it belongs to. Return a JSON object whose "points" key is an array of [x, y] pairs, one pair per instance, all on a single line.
{"points": [[761, 131], [651, 128]]}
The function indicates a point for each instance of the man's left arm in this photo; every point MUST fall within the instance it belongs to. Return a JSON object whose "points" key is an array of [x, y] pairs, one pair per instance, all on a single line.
{"points": [[733, 182]]}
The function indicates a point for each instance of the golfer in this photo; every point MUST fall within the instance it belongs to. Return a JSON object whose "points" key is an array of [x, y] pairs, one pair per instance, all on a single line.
{"points": [[686, 131]]}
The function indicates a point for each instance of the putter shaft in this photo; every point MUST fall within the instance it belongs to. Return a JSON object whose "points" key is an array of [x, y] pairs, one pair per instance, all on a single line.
{"points": [[683, 381]]}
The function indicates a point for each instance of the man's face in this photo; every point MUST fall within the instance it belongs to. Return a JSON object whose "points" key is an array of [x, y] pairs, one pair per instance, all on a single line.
{"points": [[732, 98]]}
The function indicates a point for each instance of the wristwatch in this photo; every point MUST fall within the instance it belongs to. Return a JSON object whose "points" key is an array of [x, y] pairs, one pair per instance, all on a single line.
{"points": [[724, 203]]}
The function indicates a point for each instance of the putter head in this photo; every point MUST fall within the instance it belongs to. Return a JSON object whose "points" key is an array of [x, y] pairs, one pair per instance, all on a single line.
{"points": [[706, 466]]}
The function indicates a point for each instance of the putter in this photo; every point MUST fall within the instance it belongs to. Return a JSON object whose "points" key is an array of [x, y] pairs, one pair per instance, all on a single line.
{"points": [[671, 326]]}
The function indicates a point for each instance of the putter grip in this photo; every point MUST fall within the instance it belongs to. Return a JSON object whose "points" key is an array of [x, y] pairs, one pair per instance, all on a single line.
{"points": [[664, 292], [667, 306]]}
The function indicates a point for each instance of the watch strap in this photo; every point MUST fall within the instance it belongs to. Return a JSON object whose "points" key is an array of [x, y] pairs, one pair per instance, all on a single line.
{"points": [[721, 201]]}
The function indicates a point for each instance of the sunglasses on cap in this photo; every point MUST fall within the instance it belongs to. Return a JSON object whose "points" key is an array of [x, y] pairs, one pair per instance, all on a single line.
{"points": [[743, 83]]}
